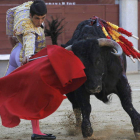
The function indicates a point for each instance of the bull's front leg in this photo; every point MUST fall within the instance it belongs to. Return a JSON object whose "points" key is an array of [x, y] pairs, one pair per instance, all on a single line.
{"points": [[124, 93], [76, 108], [83, 99]]}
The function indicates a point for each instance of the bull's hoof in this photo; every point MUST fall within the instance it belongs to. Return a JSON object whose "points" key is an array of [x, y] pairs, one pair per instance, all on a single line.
{"points": [[88, 132], [137, 135]]}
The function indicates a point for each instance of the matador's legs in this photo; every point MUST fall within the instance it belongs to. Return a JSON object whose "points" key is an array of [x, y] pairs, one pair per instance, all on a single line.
{"points": [[36, 128], [14, 62]]}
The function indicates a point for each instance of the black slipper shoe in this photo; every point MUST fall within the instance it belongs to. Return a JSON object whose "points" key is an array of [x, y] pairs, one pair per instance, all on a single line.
{"points": [[44, 137]]}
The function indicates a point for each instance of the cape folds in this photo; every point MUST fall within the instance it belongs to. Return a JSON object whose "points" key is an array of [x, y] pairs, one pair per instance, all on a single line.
{"points": [[35, 90]]}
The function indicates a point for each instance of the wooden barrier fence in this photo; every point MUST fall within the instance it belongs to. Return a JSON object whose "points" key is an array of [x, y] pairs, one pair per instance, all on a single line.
{"points": [[73, 15]]}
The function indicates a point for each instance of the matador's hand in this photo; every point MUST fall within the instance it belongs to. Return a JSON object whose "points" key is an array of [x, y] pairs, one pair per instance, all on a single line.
{"points": [[25, 60]]}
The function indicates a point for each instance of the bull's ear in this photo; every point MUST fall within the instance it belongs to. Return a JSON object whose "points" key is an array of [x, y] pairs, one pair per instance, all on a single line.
{"points": [[106, 50]]}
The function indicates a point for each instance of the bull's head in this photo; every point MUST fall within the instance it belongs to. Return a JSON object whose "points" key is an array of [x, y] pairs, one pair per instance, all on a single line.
{"points": [[90, 53]]}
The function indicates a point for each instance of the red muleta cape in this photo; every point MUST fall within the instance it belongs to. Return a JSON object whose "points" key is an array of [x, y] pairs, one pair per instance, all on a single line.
{"points": [[35, 90]]}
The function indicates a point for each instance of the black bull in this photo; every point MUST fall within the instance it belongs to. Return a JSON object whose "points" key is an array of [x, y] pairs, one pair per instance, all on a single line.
{"points": [[106, 74]]}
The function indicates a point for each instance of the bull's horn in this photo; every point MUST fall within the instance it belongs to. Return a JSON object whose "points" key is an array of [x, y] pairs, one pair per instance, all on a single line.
{"points": [[69, 48], [111, 43]]}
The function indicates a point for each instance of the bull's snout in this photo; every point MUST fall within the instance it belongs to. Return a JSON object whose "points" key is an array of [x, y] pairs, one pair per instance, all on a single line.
{"points": [[96, 90]]}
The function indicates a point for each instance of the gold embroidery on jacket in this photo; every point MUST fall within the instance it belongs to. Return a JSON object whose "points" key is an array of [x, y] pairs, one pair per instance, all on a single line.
{"points": [[21, 54], [32, 38]]}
